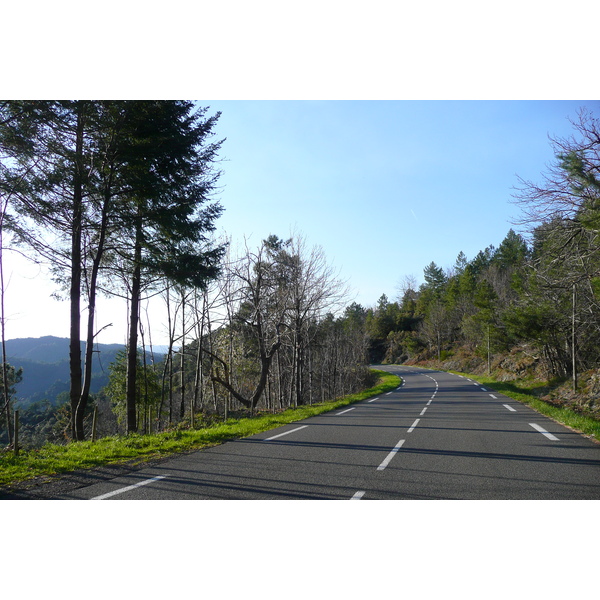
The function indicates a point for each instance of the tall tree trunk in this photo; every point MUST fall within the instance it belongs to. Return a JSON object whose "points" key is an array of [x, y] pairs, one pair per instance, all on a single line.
{"points": [[89, 346], [292, 393], [168, 355], [5, 386], [265, 365], [279, 381], [182, 361], [198, 378], [212, 356], [145, 403], [299, 355], [136, 285], [171, 372], [310, 375], [75, 288]]}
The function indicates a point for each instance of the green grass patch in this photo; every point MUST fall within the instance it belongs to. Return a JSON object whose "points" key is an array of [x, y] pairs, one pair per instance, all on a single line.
{"points": [[527, 391], [53, 459]]}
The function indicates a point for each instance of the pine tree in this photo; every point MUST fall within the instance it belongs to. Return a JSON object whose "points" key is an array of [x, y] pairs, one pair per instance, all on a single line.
{"points": [[165, 219], [126, 174]]}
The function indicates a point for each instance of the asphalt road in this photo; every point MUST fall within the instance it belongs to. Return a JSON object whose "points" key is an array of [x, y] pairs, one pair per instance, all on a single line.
{"points": [[438, 436]]}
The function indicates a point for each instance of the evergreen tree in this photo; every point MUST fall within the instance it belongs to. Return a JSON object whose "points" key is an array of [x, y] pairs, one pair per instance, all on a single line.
{"points": [[166, 218], [147, 384], [51, 144], [434, 278], [512, 252], [131, 176]]}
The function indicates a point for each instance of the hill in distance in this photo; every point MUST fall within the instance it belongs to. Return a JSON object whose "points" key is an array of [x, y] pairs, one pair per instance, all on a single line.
{"points": [[45, 363], [48, 349]]}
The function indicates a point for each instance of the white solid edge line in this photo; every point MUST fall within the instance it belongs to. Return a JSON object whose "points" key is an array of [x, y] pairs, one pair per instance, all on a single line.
{"points": [[357, 496], [544, 432], [129, 487], [284, 433], [389, 457], [509, 407], [344, 411]]}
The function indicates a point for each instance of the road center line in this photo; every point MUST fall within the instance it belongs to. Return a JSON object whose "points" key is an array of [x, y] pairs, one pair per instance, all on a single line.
{"points": [[544, 432], [345, 411], [389, 457], [509, 407], [357, 496], [129, 487], [413, 426], [284, 433]]}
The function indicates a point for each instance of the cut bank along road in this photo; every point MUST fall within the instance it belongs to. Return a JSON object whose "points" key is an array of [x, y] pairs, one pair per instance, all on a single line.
{"points": [[438, 436]]}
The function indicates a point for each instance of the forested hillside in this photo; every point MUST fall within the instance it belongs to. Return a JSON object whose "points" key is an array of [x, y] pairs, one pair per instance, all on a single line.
{"points": [[45, 364], [42, 391], [529, 308]]}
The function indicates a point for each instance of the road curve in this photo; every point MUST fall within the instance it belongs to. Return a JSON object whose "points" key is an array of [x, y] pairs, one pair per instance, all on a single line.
{"points": [[437, 436]]}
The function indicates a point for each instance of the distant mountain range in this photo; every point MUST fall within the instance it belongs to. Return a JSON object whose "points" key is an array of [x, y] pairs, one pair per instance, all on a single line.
{"points": [[45, 363]]}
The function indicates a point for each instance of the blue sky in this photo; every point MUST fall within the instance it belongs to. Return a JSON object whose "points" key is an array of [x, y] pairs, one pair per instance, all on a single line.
{"points": [[384, 187]]}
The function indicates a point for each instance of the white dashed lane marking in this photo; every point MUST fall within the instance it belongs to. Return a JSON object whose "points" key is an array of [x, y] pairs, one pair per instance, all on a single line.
{"points": [[544, 432], [129, 488], [413, 426], [391, 455], [285, 433]]}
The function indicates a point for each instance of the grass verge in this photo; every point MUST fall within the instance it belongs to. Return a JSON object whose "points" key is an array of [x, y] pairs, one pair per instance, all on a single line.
{"points": [[54, 459], [523, 392]]}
